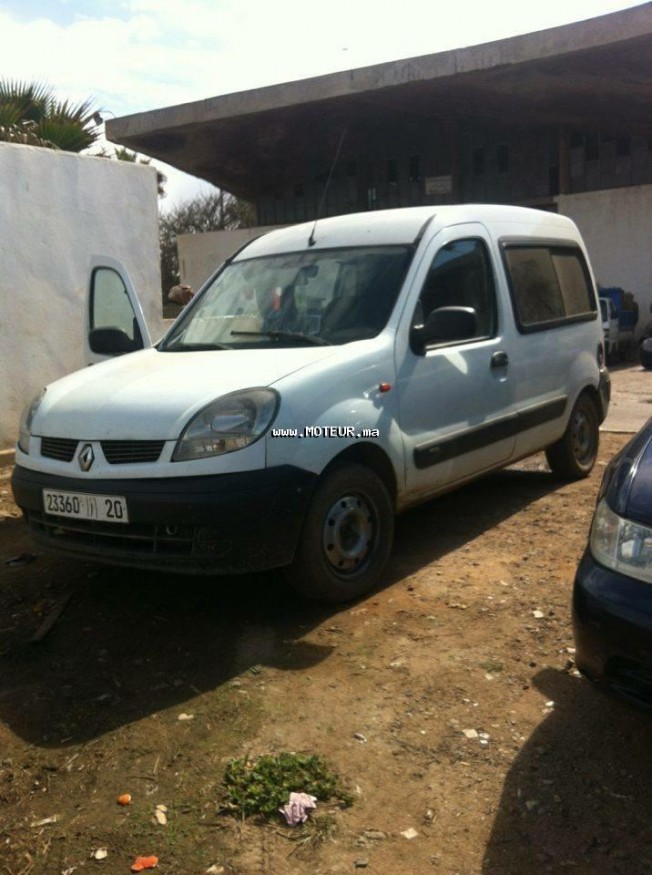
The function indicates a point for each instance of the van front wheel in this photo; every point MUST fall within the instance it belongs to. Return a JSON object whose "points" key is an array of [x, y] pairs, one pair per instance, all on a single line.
{"points": [[346, 538], [574, 454]]}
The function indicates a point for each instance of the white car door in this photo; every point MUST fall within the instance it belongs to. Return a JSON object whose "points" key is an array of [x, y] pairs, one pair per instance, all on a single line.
{"points": [[456, 397], [115, 323]]}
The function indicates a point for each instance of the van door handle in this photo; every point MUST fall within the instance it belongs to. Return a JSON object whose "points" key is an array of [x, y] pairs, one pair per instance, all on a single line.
{"points": [[499, 360]]}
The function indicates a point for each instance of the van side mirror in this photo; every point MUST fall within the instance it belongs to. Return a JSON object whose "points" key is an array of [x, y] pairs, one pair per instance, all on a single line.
{"points": [[112, 341], [446, 325]]}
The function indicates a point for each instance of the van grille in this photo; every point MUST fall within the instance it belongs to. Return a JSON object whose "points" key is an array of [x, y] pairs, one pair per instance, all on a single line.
{"points": [[62, 449], [115, 452], [131, 452]]}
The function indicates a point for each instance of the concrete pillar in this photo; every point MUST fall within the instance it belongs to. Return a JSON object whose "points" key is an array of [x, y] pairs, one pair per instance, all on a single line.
{"points": [[564, 161], [452, 133]]}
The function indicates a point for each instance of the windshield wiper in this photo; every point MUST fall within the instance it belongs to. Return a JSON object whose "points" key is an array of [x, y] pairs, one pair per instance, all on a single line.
{"points": [[284, 335], [195, 347]]}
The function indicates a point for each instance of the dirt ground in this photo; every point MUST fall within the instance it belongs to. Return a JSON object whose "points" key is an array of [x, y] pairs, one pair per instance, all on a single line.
{"points": [[470, 631]]}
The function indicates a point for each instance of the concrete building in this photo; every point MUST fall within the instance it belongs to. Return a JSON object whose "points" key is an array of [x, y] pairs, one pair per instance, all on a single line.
{"points": [[560, 119]]}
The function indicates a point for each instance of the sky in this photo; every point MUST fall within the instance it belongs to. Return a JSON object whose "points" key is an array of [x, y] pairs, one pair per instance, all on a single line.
{"points": [[135, 55]]}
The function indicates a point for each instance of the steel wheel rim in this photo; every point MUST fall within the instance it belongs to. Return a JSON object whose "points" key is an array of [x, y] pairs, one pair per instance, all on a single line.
{"points": [[582, 437], [348, 534]]}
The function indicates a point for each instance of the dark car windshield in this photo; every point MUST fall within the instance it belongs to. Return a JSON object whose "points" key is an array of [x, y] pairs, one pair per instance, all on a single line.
{"points": [[321, 297]]}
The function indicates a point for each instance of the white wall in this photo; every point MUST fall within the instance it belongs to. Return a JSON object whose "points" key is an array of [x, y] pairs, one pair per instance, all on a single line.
{"points": [[201, 254], [57, 210], [617, 228]]}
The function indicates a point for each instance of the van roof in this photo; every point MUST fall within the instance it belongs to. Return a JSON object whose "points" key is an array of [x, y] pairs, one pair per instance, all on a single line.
{"points": [[403, 226]]}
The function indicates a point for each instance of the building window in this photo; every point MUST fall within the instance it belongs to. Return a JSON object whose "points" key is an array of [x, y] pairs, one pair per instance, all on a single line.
{"points": [[478, 162], [392, 171], [592, 147], [414, 168], [623, 148], [502, 159]]}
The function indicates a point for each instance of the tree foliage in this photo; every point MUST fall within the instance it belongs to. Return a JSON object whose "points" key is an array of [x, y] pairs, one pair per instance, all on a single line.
{"points": [[215, 211], [31, 114], [122, 154]]}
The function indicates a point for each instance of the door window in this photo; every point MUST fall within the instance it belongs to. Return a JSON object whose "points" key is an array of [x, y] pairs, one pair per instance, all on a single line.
{"points": [[111, 305], [461, 276]]}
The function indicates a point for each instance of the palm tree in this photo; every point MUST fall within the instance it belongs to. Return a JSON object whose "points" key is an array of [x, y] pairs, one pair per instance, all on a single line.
{"points": [[31, 114]]}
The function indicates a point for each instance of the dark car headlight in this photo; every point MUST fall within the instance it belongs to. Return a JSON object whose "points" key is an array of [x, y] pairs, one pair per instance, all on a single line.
{"points": [[621, 544]]}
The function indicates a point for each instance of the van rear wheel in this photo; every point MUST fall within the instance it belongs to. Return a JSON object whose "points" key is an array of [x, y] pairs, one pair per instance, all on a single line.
{"points": [[347, 536], [574, 454]]}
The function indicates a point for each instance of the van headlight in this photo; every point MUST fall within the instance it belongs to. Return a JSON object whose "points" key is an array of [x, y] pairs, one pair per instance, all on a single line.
{"points": [[230, 423], [26, 420], [621, 544]]}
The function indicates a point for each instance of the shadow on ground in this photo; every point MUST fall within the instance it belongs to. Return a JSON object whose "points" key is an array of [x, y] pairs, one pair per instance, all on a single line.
{"points": [[583, 807], [132, 643]]}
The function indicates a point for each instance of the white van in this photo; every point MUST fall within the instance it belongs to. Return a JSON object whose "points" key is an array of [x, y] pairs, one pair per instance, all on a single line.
{"points": [[328, 376]]}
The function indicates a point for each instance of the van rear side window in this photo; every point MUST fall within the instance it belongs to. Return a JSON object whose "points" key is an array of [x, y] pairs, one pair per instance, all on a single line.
{"points": [[550, 285]]}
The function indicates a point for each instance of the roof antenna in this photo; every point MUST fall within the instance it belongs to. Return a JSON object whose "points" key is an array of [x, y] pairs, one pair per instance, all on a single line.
{"points": [[311, 239]]}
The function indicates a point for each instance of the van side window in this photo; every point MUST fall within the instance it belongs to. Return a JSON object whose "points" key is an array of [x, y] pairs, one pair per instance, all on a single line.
{"points": [[550, 285], [460, 276]]}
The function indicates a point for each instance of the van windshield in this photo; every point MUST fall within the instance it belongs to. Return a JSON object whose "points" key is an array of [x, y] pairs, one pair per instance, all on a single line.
{"points": [[320, 297]]}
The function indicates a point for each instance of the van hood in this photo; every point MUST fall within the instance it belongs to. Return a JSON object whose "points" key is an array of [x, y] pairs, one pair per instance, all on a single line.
{"points": [[151, 395]]}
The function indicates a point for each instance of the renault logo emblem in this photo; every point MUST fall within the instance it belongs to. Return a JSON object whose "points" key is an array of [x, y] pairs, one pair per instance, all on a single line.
{"points": [[86, 457]]}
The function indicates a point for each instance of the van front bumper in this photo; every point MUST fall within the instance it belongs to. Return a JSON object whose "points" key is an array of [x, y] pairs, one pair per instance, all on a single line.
{"points": [[612, 626], [222, 524]]}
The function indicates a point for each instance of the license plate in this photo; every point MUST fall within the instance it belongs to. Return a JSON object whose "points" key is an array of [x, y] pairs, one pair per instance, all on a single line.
{"points": [[83, 506]]}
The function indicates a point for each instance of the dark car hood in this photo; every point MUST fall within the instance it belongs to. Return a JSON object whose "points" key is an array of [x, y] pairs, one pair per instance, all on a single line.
{"points": [[628, 479]]}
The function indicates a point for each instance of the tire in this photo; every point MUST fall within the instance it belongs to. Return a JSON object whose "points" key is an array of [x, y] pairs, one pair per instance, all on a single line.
{"points": [[645, 354], [346, 538], [613, 355], [574, 454]]}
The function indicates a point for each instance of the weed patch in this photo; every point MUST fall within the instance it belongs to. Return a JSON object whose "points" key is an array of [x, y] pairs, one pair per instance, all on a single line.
{"points": [[262, 786]]}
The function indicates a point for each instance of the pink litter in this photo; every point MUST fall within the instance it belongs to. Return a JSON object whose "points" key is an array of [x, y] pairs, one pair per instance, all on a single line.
{"points": [[298, 808]]}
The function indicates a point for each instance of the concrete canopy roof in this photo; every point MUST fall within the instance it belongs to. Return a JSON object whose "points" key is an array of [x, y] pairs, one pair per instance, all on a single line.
{"points": [[591, 75]]}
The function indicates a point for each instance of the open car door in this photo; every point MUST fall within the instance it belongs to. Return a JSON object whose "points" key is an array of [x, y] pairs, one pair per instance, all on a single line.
{"points": [[115, 322]]}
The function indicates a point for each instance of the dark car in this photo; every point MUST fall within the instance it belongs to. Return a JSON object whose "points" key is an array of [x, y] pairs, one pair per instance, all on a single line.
{"points": [[612, 597]]}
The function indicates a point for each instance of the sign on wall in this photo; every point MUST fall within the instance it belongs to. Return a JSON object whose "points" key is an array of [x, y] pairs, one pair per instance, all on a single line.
{"points": [[435, 185]]}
